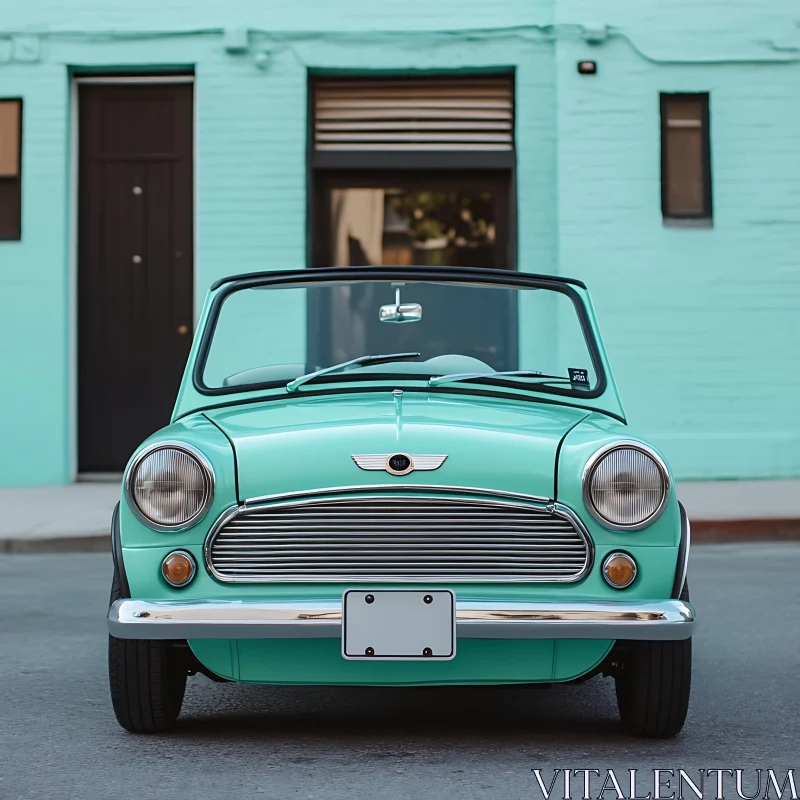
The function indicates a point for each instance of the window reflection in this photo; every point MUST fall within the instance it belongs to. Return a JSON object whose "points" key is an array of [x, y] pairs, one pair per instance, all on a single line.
{"points": [[262, 334], [475, 322], [422, 227], [426, 227]]}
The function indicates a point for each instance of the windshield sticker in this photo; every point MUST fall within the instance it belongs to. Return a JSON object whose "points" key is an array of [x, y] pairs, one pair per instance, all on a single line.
{"points": [[578, 377]]}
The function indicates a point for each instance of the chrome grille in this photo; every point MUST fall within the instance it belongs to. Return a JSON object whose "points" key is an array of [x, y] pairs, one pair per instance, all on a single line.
{"points": [[398, 538]]}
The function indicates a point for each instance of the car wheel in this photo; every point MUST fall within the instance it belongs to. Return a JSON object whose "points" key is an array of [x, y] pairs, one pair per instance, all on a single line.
{"points": [[147, 679], [653, 685]]}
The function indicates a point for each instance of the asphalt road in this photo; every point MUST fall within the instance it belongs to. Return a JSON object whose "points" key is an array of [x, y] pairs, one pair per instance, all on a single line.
{"points": [[59, 739]]}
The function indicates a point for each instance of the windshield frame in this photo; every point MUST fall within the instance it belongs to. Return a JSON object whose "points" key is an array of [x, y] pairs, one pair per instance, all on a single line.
{"points": [[455, 275]]}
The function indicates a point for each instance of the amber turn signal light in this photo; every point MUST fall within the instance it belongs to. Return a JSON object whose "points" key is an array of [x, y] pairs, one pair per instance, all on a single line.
{"points": [[178, 568], [619, 570]]}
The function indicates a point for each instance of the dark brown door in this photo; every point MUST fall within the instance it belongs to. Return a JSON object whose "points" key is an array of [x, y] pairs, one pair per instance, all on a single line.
{"points": [[134, 264]]}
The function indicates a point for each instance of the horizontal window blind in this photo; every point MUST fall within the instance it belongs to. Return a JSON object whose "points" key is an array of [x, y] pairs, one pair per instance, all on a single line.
{"points": [[414, 114]]}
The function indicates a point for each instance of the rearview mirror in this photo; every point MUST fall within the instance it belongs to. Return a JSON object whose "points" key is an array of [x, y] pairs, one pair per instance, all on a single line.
{"points": [[401, 312]]}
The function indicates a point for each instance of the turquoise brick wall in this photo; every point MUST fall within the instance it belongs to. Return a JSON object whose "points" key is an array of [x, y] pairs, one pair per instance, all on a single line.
{"points": [[701, 324]]}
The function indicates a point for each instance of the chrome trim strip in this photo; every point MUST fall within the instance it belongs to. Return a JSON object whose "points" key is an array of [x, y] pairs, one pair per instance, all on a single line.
{"points": [[565, 511], [206, 468], [685, 565], [396, 487], [592, 463], [559, 509], [655, 620]]}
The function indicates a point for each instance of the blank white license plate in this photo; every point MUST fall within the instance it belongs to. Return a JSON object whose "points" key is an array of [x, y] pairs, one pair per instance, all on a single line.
{"points": [[398, 624]]}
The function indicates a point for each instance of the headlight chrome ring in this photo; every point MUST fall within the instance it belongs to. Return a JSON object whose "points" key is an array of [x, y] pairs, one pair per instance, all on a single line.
{"points": [[650, 465], [195, 500]]}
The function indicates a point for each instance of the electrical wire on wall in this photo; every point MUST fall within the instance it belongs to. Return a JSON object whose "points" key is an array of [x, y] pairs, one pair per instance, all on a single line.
{"points": [[272, 41]]}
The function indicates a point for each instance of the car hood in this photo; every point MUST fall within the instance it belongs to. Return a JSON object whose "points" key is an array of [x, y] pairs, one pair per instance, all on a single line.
{"points": [[295, 445]]}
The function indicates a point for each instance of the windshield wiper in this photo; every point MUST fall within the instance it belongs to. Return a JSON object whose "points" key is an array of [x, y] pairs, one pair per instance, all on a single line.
{"points": [[361, 361], [471, 376]]}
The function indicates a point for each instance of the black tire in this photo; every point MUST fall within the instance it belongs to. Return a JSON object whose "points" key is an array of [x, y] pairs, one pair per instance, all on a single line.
{"points": [[653, 686], [147, 679]]}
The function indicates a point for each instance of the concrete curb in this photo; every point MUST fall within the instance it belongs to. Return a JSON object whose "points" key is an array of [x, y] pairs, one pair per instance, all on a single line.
{"points": [[746, 530], [703, 532], [89, 543]]}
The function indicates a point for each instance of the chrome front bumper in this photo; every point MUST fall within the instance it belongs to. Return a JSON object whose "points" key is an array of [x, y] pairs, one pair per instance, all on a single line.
{"points": [[221, 619]]}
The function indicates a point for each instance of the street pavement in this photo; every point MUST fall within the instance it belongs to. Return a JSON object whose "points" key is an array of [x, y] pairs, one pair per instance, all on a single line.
{"points": [[59, 739]]}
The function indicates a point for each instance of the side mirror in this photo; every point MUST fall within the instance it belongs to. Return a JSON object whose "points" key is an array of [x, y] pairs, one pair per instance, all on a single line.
{"points": [[401, 312]]}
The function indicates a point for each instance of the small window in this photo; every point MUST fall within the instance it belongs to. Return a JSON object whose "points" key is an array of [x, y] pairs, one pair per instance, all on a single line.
{"points": [[10, 168], [685, 157]]}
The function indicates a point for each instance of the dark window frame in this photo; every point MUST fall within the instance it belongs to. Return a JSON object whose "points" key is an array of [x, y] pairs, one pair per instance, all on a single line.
{"points": [[13, 185], [408, 178], [707, 213], [408, 159], [364, 163]]}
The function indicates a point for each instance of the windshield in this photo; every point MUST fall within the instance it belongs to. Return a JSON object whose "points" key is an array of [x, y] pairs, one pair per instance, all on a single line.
{"points": [[372, 330]]}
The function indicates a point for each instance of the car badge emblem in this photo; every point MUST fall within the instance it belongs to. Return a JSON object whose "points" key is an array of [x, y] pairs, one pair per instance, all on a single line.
{"points": [[398, 463]]}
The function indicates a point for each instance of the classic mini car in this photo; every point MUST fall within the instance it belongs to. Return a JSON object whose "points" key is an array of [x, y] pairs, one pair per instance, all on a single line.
{"points": [[399, 476]]}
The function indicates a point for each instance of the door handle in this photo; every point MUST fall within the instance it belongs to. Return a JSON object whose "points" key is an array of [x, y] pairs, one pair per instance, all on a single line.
{"points": [[183, 330]]}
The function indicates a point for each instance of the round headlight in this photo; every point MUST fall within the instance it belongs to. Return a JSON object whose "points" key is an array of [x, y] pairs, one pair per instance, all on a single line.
{"points": [[625, 486], [170, 486]]}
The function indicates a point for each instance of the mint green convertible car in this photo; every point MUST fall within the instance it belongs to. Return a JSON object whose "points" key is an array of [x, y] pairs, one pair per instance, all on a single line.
{"points": [[399, 476]]}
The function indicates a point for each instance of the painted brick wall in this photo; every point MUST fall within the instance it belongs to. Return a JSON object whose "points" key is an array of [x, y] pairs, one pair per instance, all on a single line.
{"points": [[251, 157], [700, 324], [300, 15], [34, 288]]}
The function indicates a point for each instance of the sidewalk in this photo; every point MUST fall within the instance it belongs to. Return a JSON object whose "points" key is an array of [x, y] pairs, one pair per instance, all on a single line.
{"points": [[734, 511], [56, 519], [76, 518]]}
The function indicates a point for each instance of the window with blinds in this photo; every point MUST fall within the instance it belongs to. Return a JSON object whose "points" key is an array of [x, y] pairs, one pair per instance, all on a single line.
{"points": [[685, 157], [415, 114]]}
